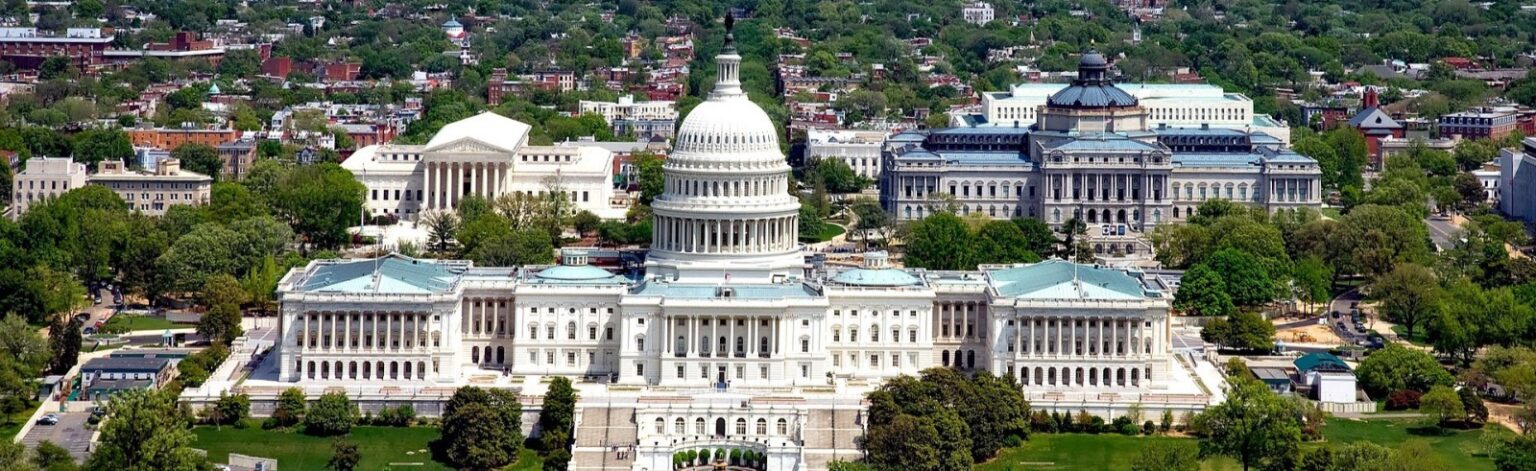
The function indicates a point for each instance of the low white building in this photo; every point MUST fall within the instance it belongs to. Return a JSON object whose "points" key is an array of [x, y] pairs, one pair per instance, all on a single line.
{"points": [[1488, 175], [44, 178], [486, 155], [859, 149], [978, 13], [643, 119], [1328, 377], [153, 192]]}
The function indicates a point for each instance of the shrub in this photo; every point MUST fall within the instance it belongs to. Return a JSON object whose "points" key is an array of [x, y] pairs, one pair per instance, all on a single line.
{"points": [[1012, 441], [1477, 412], [1124, 426], [333, 414], [1148, 428], [1096, 425], [1403, 399], [401, 416]]}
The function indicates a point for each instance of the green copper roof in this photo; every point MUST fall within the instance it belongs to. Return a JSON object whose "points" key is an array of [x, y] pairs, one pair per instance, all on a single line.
{"points": [[392, 274], [1320, 361], [1058, 279], [577, 275], [875, 277]]}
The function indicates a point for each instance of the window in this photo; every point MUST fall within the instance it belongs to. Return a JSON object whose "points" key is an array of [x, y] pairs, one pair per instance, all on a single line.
{"points": [[592, 332], [639, 369], [762, 426], [805, 345], [679, 426], [549, 332], [783, 427], [570, 331], [698, 426], [570, 358], [741, 426], [912, 335], [679, 371], [661, 426]]}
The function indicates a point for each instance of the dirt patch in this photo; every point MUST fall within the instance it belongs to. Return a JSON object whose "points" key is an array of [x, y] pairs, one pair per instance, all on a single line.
{"points": [[1310, 334], [1503, 414]]}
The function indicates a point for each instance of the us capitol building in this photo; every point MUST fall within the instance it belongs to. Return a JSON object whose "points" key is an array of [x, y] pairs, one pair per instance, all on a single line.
{"points": [[730, 339]]}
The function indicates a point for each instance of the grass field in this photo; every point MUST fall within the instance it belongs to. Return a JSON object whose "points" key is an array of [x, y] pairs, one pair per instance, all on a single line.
{"points": [[11, 425], [131, 322], [828, 231], [381, 448], [1332, 213], [1460, 450]]}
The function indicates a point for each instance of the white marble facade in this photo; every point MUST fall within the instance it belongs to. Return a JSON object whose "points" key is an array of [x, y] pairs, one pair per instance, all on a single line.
{"points": [[486, 155]]}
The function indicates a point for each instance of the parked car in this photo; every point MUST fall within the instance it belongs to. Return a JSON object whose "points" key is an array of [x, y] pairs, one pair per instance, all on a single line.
{"points": [[49, 419]]}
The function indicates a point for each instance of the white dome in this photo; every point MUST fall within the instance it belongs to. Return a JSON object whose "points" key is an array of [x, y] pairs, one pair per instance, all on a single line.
{"points": [[728, 125]]}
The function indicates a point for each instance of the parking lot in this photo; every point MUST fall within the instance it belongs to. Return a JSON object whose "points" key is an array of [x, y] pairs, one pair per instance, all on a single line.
{"points": [[69, 433]]}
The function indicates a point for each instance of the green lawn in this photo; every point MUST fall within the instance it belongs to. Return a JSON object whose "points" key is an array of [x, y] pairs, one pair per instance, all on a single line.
{"points": [[1078, 451], [404, 447], [131, 322], [1420, 337], [1460, 450], [828, 231], [1332, 213], [11, 425]]}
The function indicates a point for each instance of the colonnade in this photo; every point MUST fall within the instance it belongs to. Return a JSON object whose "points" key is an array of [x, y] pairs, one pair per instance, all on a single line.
{"points": [[367, 331], [1291, 190], [721, 337], [960, 321], [689, 235], [447, 183], [484, 317], [1085, 336]]}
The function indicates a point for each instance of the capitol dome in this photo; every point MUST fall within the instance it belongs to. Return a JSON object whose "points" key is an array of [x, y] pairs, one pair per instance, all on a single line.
{"points": [[725, 212]]}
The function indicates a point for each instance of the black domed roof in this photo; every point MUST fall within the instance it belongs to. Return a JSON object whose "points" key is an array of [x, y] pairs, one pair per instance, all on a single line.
{"points": [[1092, 88]]}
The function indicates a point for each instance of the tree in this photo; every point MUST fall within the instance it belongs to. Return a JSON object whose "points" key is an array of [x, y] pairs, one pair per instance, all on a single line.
{"points": [[585, 222], [1241, 331], [344, 456], [652, 181], [1203, 292], [320, 201], [222, 288], [1167, 455], [1408, 295], [1442, 403], [50, 456], [1476, 412], [333, 414], [290, 408], [221, 324], [481, 429], [1516, 454], [200, 158], [1396, 367], [838, 176], [442, 229], [145, 431], [940, 242], [1003, 242], [1254, 425], [558, 422], [64, 339], [1249, 281], [514, 248], [872, 220], [228, 409], [1038, 236], [1313, 281], [95, 145]]}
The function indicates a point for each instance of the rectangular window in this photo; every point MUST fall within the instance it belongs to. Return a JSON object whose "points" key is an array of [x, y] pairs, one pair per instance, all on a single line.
{"points": [[679, 371]]}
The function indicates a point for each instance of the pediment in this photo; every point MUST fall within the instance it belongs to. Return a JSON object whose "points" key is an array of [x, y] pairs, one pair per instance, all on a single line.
{"points": [[469, 145]]}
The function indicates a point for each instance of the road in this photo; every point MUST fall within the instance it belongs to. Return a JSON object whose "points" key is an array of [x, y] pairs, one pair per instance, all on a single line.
{"points": [[69, 433], [1443, 232]]}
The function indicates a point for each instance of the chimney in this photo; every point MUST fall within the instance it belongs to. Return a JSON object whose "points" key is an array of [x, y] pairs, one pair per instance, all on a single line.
{"points": [[1370, 99]]}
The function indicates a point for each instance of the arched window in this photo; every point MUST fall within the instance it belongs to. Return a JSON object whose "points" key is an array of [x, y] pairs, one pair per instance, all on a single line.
{"points": [[741, 426], [783, 427], [679, 426], [661, 426], [762, 426], [698, 426]]}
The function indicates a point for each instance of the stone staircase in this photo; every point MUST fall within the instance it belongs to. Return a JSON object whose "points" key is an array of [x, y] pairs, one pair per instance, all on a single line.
{"points": [[605, 437]]}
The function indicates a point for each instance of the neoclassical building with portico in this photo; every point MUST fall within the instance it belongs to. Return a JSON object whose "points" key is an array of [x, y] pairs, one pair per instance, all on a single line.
{"points": [[727, 336]]}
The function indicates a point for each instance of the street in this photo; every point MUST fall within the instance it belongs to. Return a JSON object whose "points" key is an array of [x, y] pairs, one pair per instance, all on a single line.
{"points": [[1443, 232]]}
